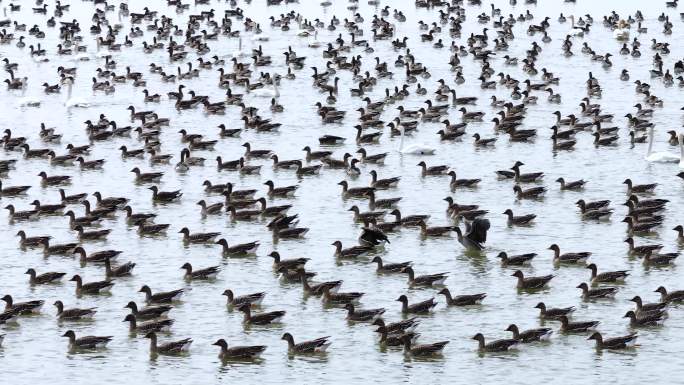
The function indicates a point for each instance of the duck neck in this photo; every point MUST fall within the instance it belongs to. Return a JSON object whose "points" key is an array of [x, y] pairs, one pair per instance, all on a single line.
{"points": [[650, 141], [447, 294], [153, 343], [401, 139]]}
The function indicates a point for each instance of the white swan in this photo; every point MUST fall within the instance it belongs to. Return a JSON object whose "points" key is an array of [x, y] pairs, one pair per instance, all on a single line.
{"points": [[239, 52], [266, 92], [76, 101], [415, 149], [315, 43], [659, 157]]}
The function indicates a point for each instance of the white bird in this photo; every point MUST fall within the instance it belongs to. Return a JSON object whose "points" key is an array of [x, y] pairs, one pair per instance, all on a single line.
{"points": [[415, 149], [266, 92], [75, 102], [659, 157], [239, 52], [315, 43]]}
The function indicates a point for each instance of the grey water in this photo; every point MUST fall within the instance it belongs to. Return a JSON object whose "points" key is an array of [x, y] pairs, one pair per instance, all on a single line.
{"points": [[34, 352]]}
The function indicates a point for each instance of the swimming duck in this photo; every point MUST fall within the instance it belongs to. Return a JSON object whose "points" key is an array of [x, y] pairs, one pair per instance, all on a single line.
{"points": [[164, 196], [206, 273], [518, 220], [238, 352], [424, 280], [463, 299], [253, 299], [516, 260], [317, 288], [432, 170], [73, 314], [390, 267], [531, 282], [645, 308], [31, 241], [148, 326], [261, 318], [161, 297], [137, 218], [422, 307], [650, 319], [495, 346], [118, 271], [351, 252], [577, 326], [95, 287], [149, 312], [45, 278], [364, 315], [173, 347], [609, 276], [572, 185], [530, 335], [87, 342], [673, 296], [578, 257], [622, 342], [589, 294], [29, 307]]}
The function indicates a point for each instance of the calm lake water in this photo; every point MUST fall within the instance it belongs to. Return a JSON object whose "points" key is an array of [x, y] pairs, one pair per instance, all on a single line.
{"points": [[34, 350]]}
